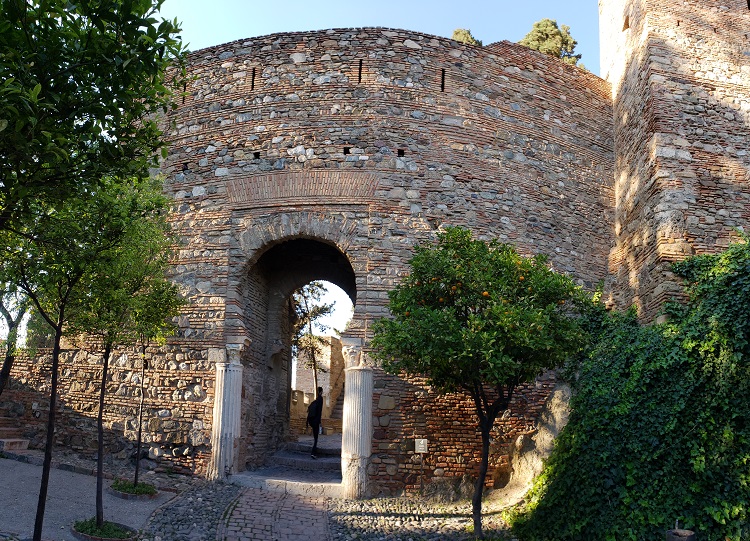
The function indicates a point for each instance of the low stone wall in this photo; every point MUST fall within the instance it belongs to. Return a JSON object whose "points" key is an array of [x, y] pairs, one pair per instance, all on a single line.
{"points": [[177, 402]]}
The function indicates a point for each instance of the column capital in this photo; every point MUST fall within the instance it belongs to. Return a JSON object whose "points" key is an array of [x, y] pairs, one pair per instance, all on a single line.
{"points": [[351, 349], [234, 351]]}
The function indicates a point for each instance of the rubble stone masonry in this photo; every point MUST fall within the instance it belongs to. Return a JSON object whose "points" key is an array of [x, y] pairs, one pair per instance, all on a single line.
{"points": [[680, 74]]}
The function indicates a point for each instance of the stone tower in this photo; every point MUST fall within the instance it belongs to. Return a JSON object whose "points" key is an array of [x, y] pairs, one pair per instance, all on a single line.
{"points": [[680, 75]]}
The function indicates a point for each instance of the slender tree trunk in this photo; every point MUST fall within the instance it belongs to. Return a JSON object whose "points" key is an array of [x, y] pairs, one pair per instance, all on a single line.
{"points": [[485, 425], [100, 440], [38, 522], [7, 365], [11, 343], [315, 372], [312, 350], [140, 417]]}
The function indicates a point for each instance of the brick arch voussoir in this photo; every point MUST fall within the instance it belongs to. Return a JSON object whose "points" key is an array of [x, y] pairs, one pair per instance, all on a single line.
{"points": [[266, 232]]}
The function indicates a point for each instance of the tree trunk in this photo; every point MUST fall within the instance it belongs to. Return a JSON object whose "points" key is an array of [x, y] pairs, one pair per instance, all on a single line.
{"points": [[140, 418], [315, 372], [485, 426], [38, 522], [100, 440], [7, 365], [10, 353]]}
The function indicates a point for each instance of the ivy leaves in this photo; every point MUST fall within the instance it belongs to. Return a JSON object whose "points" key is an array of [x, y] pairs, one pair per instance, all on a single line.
{"points": [[660, 427]]}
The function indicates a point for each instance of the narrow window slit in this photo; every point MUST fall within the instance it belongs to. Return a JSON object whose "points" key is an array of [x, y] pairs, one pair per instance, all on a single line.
{"points": [[442, 78], [252, 80], [359, 77], [347, 150]]}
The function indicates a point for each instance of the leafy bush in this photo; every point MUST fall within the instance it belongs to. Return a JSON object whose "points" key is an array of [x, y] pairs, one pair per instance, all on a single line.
{"points": [[121, 485], [109, 530], [660, 422]]}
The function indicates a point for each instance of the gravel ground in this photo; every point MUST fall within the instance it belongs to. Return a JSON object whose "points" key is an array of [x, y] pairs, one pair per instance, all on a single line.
{"points": [[408, 519], [194, 515]]}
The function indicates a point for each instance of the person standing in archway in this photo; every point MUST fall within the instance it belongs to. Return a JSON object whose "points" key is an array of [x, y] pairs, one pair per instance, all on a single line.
{"points": [[314, 414]]}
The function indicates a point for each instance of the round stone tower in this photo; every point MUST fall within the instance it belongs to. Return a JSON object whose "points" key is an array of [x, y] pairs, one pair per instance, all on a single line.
{"points": [[329, 155]]}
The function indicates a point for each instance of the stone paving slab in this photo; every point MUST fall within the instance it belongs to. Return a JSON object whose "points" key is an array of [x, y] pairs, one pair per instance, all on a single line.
{"points": [[266, 516], [70, 497]]}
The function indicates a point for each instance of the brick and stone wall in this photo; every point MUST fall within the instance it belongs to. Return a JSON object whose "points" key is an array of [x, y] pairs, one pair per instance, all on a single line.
{"points": [[176, 418], [681, 89], [364, 142], [329, 155]]}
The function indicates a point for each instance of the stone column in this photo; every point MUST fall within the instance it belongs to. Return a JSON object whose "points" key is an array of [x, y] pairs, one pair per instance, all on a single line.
{"points": [[356, 445], [227, 408]]}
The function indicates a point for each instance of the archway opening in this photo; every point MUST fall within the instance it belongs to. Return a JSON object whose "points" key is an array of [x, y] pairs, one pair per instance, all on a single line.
{"points": [[272, 412]]}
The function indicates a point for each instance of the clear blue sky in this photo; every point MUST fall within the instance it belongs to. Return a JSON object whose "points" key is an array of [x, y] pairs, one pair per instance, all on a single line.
{"points": [[212, 22]]}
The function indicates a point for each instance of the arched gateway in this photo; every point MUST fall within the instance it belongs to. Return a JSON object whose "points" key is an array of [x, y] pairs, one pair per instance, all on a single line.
{"points": [[329, 155]]}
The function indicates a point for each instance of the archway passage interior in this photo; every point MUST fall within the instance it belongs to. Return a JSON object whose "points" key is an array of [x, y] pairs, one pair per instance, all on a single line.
{"points": [[268, 316]]}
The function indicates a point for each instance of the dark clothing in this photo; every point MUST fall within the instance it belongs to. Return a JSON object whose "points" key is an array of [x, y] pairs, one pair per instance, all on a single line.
{"points": [[314, 413]]}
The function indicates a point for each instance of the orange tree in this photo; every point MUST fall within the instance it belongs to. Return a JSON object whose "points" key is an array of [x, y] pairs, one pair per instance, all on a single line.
{"points": [[477, 317]]}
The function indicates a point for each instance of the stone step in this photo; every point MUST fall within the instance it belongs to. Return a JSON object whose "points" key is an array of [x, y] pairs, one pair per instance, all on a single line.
{"points": [[304, 448], [338, 409], [303, 461], [303, 483], [11, 444], [332, 426], [10, 433]]}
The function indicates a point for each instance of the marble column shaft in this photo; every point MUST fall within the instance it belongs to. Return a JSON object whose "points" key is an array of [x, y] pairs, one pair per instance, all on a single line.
{"points": [[226, 418], [357, 432]]}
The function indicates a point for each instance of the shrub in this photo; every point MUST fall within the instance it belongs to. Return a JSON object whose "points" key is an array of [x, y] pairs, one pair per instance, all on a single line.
{"points": [[121, 485], [660, 422], [109, 530]]}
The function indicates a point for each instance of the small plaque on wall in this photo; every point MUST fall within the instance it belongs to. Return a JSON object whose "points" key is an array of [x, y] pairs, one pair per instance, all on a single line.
{"points": [[420, 446]]}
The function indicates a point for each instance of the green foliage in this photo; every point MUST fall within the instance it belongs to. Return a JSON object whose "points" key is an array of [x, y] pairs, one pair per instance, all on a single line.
{"points": [[128, 296], [464, 36], [548, 38], [476, 317], [121, 485], [474, 313], [38, 332], [660, 422], [308, 311], [80, 87], [108, 530]]}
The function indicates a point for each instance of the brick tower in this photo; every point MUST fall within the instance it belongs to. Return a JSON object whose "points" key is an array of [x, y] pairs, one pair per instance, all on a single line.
{"points": [[680, 75]]}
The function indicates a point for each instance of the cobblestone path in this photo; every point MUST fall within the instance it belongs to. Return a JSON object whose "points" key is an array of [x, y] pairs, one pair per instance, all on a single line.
{"points": [[268, 516]]}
